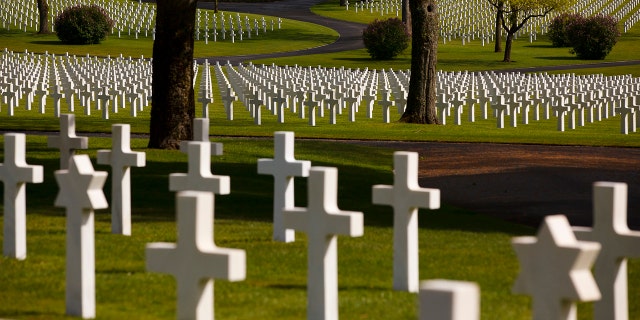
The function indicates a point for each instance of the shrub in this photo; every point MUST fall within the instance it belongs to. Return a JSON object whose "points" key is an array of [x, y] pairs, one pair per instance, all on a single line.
{"points": [[593, 38], [385, 39], [83, 24], [558, 29]]}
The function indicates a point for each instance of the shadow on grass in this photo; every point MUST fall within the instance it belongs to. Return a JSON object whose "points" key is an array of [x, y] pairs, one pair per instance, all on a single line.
{"points": [[51, 43], [558, 58], [251, 196]]}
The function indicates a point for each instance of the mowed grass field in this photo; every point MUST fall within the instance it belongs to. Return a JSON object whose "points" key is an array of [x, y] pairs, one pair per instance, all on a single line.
{"points": [[454, 243]]}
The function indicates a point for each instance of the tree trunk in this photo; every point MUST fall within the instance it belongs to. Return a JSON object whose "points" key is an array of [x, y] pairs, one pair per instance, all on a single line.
{"points": [[406, 15], [507, 47], [173, 104], [498, 27], [421, 101], [215, 6], [43, 15]]}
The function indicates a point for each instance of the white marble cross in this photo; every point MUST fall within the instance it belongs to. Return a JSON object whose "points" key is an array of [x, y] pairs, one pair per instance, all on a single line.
{"points": [[405, 196], [323, 221], [201, 133], [284, 167], [555, 270], [618, 243], [121, 159], [80, 193], [449, 300], [67, 141], [15, 173], [199, 176], [195, 260]]}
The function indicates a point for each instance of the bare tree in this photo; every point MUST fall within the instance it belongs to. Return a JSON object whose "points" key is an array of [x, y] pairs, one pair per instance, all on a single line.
{"points": [[499, 5], [173, 103], [516, 14], [406, 15], [43, 15], [424, 57]]}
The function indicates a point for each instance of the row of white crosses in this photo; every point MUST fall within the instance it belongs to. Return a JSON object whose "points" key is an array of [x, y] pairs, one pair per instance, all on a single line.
{"points": [[383, 7], [80, 193], [107, 85], [219, 28], [136, 19], [555, 265], [196, 256], [572, 99]]}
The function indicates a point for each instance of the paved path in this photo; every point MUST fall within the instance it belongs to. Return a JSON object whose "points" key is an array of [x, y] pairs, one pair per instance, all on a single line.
{"points": [[350, 32]]}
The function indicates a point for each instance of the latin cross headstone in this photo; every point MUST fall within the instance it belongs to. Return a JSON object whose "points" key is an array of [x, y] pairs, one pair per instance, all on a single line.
{"points": [[323, 221], [201, 134], [199, 176], [284, 167], [618, 243], [313, 105], [67, 141], [195, 260], [449, 300], [80, 193], [121, 159], [15, 173], [57, 95], [555, 270], [405, 196]]}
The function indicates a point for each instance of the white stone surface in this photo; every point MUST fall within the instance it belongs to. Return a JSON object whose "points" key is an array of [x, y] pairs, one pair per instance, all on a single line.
{"points": [[449, 300], [80, 193], [405, 196], [195, 260], [201, 133], [323, 221], [67, 141], [15, 173], [555, 270], [618, 243], [284, 167], [199, 176], [121, 159]]}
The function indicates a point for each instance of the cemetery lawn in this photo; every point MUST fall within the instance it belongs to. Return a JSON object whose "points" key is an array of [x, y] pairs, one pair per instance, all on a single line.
{"points": [[454, 244], [294, 35]]}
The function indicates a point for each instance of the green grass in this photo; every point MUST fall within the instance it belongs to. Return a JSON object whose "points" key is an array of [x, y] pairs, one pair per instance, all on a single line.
{"points": [[454, 244], [603, 133], [294, 35]]}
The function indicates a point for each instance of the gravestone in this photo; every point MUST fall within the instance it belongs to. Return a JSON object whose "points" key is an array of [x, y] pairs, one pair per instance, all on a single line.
{"points": [[449, 300], [121, 159], [15, 173], [67, 141], [284, 167], [618, 243], [405, 196], [80, 193], [195, 260], [555, 270], [201, 134], [323, 221], [199, 176]]}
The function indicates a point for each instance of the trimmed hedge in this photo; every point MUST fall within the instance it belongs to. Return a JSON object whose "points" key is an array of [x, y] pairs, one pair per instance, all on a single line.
{"points": [[593, 38], [385, 39], [558, 29], [83, 24]]}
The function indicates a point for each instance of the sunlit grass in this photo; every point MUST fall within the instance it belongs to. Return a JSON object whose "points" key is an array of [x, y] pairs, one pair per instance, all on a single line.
{"points": [[454, 244]]}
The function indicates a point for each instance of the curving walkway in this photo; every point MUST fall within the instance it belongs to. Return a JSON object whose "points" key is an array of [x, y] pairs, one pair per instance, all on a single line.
{"points": [[350, 32]]}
